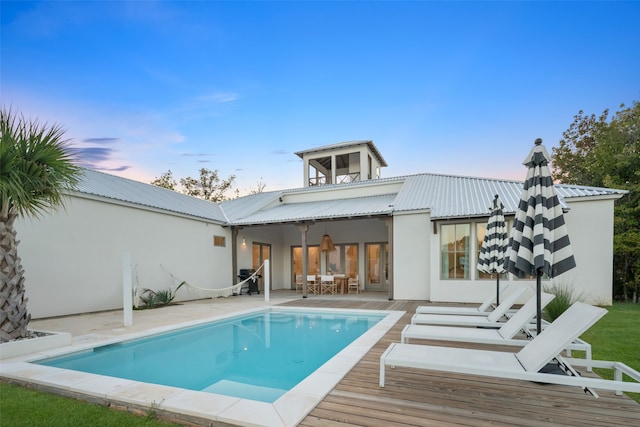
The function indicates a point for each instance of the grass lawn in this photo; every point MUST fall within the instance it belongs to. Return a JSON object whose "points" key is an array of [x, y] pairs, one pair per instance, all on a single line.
{"points": [[21, 406], [615, 337]]}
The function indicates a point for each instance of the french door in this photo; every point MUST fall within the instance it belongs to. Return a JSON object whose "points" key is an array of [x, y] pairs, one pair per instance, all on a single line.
{"points": [[377, 266]]}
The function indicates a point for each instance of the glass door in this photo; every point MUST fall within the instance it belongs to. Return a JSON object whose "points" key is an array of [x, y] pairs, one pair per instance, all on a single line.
{"points": [[376, 261], [259, 253], [313, 260]]}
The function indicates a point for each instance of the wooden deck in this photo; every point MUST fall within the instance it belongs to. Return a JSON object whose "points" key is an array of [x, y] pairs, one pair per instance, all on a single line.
{"points": [[414, 397]]}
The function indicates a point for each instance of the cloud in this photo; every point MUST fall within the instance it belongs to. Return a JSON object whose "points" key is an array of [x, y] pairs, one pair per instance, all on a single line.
{"points": [[195, 154], [116, 169], [218, 97], [93, 157], [104, 140]]}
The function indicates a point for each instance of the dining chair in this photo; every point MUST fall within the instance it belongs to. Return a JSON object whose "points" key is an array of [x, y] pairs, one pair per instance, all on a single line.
{"points": [[298, 283], [328, 284], [353, 285], [313, 286]]}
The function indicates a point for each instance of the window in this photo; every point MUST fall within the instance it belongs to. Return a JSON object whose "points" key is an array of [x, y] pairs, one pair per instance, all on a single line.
{"points": [[454, 251], [334, 260], [343, 260], [219, 241]]}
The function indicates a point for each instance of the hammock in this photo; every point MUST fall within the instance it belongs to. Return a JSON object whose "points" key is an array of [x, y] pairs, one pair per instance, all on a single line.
{"points": [[217, 293]]}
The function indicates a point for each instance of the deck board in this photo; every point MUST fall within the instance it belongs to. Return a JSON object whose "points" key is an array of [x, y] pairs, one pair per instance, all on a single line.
{"points": [[413, 397]]}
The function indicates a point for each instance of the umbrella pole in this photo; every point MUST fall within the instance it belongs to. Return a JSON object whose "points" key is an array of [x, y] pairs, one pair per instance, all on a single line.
{"points": [[538, 298], [497, 288]]}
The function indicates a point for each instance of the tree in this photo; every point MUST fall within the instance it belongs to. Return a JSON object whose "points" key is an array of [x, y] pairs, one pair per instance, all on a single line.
{"points": [[209, 186], [166, 181], [36, 169], [574, 159], [260, 186], [597, 152]]}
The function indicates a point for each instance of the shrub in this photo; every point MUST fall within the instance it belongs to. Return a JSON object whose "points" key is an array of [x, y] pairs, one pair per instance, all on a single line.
{"points": [[148, 298], [151, 299], [565, 297]]}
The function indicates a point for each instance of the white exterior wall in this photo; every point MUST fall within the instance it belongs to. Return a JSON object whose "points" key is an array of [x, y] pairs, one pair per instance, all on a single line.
{"points": [[590, 227], [411, 252], [73, 258]]}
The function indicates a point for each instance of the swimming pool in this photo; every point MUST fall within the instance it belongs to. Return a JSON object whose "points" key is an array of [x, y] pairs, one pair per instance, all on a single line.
{"points": [[258, 356], [195, 406]]}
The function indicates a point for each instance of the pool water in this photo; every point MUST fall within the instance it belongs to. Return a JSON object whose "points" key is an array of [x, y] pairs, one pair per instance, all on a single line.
{"points": [[259, 356]]}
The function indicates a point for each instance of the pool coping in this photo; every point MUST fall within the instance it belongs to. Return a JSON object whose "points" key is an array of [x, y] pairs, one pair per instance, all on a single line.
{"points": [[188, 405]]}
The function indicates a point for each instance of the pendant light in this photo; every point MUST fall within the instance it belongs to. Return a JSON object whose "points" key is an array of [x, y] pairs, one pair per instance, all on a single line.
{"points": [[326, 245]]}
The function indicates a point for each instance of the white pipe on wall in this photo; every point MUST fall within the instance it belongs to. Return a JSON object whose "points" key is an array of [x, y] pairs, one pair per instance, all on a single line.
{"points": [[127, 290]]}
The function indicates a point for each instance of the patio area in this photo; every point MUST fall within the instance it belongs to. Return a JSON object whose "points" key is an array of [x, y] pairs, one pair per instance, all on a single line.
{"points": [[409, 398]]}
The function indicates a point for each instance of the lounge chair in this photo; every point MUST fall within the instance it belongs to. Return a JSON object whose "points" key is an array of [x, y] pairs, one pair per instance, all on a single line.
{"points": [[523, 365], [503, 336], [492, 319], [483, 310]]}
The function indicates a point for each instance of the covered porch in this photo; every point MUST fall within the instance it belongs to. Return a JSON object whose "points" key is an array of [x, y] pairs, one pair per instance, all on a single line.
{"points": [[349, 250]]}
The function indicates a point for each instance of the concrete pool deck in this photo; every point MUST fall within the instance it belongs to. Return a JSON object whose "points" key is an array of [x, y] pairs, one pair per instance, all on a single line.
{"points": [[102, 328]]}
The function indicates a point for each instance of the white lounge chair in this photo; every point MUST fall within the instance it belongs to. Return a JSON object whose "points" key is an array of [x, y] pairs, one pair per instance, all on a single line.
{"points": [[523, 365], [483, 310], [503, 336], [492, 319]]}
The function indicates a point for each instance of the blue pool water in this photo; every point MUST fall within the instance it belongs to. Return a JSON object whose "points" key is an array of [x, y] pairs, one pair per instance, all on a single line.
{"points": [[259, 356]]}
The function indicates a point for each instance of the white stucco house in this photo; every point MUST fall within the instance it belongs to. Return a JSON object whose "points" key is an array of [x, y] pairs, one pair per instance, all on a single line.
{"points": [[413, 237]]}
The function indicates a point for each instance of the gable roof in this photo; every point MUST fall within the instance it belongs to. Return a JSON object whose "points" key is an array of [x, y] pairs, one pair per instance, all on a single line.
{"points": [[444, 196]]}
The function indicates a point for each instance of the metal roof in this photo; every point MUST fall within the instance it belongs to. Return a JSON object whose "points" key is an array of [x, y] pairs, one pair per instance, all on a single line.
{"points": [[456, 196], [346, 144], [247, 205], [449, 196], [126, 190], [445, 196], [325, 209]]}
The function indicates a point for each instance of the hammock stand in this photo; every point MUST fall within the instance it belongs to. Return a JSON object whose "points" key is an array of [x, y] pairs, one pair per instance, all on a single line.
{"points": [[217, 293]]}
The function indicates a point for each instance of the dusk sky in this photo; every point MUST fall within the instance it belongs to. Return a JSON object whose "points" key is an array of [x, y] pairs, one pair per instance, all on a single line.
{"points": [[460, 88]]}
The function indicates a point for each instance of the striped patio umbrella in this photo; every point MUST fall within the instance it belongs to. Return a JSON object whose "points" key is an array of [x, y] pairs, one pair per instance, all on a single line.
{"points": [[494, 245], [539, 242]]}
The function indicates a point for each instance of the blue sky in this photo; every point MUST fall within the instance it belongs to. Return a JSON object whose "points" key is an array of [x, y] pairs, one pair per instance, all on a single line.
{"points": [[460, 88]]}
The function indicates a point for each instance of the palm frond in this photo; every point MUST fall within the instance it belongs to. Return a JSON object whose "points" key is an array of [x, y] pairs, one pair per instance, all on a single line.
{"points": [[37, 165]]}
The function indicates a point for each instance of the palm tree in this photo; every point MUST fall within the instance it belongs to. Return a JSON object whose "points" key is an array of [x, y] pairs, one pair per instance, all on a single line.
{"points": [[37, 167]]}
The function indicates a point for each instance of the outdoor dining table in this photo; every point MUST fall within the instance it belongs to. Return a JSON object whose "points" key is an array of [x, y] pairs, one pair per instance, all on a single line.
{"points": [[339, 278], [342, 279]]}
